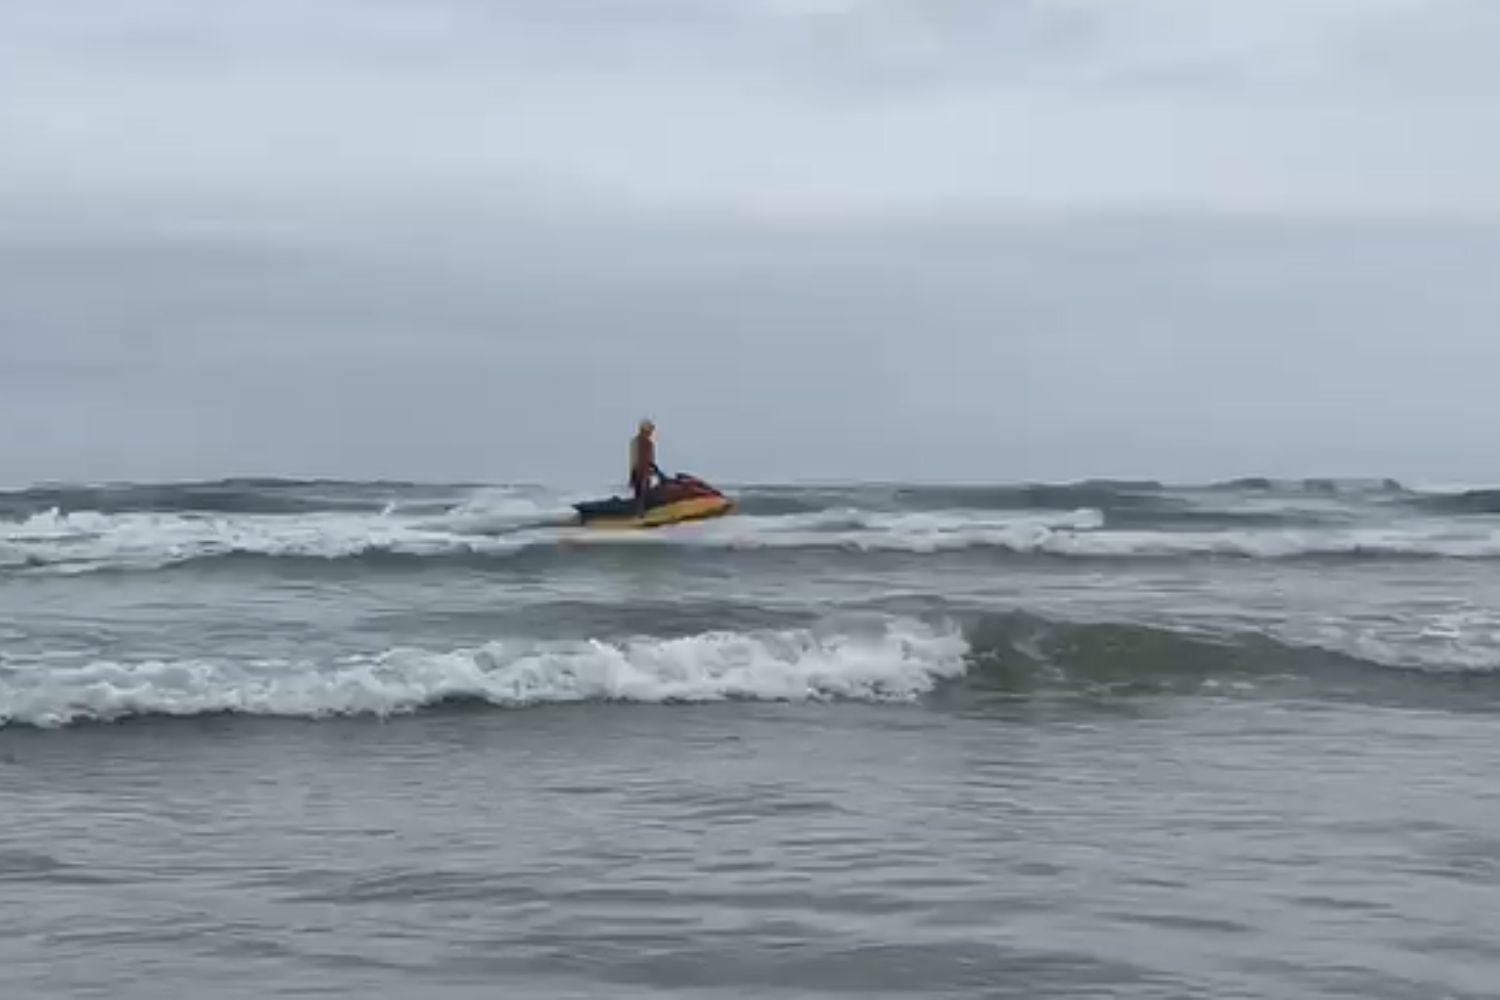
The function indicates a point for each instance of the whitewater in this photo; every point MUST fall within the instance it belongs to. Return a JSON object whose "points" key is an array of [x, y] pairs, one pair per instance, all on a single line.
{"points": [[72, 537]]}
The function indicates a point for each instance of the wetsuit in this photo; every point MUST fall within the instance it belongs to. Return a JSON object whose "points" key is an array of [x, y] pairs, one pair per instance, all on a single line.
{"points": [[642, 467]]}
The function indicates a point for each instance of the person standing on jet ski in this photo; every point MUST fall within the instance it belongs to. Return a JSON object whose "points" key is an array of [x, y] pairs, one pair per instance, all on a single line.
{"points": [[643, 464]]}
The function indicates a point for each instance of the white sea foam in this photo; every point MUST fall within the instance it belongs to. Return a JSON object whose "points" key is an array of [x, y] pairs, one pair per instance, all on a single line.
{"points": [[1459, 641], [497, 511], [86, 540], [1082, 534], [505, 524], [900, 660]]}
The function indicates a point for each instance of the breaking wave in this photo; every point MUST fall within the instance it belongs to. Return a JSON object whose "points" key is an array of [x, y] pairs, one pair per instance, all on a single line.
{"points": [[892, 659], [295, 522], [897, 661], [494, 534]]}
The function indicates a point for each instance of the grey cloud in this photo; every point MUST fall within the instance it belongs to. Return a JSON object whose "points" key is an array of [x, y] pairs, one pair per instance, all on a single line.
{"points": [[1371, 106], [868, 238]]}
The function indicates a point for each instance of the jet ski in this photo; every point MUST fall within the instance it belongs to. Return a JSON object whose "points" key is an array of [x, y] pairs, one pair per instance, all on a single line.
{"points": [[672, 501]]}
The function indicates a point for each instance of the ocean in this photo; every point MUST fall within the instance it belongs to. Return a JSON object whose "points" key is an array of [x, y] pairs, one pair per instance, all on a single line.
{"points": [[1105, 739]]}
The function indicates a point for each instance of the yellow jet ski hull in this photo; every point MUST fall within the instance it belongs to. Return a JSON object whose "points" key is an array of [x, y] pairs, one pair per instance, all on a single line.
{"points": [[673, 501], [680, 512]]}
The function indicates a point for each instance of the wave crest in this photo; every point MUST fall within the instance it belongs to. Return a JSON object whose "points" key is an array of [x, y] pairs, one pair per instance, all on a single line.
{"points": [[874, 659], [892, 661], [493, 535]]}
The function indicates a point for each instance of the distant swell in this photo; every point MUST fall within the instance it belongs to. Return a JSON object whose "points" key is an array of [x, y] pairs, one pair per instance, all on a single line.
{"points": [[1021, 652], [1314, 486], [1467, 502], [225, 496]]}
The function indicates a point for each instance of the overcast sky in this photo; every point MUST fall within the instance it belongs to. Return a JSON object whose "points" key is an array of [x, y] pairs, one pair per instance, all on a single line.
{"points": [[891, 239]]}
